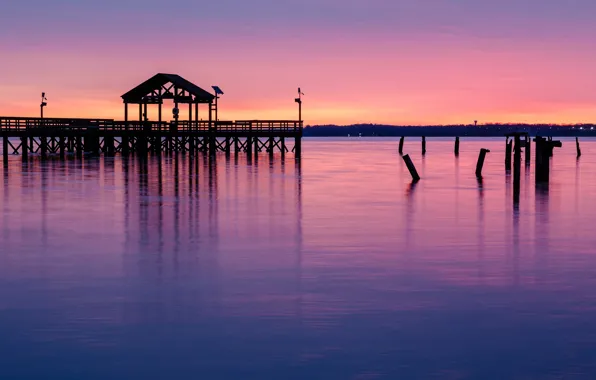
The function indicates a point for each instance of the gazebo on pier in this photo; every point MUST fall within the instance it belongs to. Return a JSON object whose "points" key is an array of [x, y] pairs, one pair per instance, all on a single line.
{"points": [[172, 87]]}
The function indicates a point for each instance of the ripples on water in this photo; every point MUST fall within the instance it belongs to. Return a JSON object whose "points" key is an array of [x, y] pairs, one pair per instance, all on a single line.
{"points": [[337, 268]]}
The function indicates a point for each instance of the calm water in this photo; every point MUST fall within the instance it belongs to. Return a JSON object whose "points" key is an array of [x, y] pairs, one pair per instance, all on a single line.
{"points": [[336, 268]]}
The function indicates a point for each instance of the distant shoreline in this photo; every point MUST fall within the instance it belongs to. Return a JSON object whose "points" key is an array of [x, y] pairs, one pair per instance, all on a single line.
{"points": [[488, 130]]}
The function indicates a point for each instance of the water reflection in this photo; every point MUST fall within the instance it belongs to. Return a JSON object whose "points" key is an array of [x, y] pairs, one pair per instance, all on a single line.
{"points": [[336, 266]]}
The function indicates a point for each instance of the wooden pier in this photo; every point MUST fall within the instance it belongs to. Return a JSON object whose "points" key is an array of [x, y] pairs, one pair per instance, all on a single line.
{"points": [[61, 136]]}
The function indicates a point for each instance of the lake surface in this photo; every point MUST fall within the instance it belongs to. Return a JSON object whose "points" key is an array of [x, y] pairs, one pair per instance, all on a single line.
{"points": [[334, 268]]}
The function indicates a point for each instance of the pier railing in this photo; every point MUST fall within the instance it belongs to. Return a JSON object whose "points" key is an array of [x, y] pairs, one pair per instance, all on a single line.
{"points": [[17, 124]]}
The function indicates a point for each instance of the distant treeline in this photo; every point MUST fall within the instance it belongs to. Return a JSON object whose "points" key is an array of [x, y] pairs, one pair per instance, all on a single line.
{"points": [[450, 130]]}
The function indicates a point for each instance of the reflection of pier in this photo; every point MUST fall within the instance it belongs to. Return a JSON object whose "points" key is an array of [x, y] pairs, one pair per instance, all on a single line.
{"points": [[95, 136], [201, 219]]}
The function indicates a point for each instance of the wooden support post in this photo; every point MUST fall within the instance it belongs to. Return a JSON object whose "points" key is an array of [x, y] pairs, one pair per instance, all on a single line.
{"points": [[43, 142], [236, 145], [423, 145], [169, 144], [92, 141], [528, 150], [480, 163], [256, 141], [228, 145], [271, 141], [62, 146], [579, 151], [191, 144], [79, 146], [401, 145], [142, 144], [298, 147], [456, 150], [212, 144], [125, 146], [283, 146], [5, 150], [508, 149], [24, 147], [108, 143], [411, 168]]}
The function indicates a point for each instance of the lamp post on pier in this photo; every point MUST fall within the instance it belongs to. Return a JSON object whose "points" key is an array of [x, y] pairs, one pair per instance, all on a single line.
{"points": [[43, 103], [299, 101]]}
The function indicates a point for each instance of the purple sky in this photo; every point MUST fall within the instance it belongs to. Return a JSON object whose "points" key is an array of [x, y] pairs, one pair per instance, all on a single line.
{"points": [[402, 54]]}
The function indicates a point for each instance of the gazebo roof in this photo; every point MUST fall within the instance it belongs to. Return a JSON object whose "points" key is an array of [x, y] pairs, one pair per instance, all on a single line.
{"points": [[155, 83]]}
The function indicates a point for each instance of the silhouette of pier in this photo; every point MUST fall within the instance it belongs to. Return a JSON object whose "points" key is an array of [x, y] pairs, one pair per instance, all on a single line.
{"points": [[59, 136]]}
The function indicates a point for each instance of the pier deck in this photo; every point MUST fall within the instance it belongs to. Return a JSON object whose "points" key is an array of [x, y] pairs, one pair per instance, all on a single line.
{"points": [[107, 136]]}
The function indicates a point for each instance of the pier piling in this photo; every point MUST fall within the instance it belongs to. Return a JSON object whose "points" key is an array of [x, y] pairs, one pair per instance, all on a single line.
{"points": [[62, 146], [579, 151], [544, 150], [423, 145], [456, 150], [5, 150], [401, 145], [411, 168], [24, 148], [508, 149], [480, 163]]}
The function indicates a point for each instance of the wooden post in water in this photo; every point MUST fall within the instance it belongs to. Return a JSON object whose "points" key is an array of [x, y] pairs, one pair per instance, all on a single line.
{"points": [[480, 163], [579, 151], [283, 146], [401, 145], [508, 149], [456, 146], [544, 150], [516, 168], [411, 168], [528, 147], [423, 145]]}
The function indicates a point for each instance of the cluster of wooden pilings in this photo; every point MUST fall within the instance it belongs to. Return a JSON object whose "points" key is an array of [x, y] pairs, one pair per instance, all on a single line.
{"points": [[60, 138], [515, 144]]}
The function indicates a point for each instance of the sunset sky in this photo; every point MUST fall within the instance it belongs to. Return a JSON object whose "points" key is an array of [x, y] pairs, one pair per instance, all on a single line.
{"points": [[382, 61]]}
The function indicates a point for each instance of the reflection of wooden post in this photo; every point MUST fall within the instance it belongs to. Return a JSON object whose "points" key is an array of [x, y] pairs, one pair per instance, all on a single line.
{"points": [[423, 145], [480, 163], [401, 145], [457, 146], [411, 168], [579, 151]]}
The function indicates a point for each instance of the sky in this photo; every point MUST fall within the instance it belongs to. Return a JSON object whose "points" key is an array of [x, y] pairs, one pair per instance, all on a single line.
{"points": [[378, 61]]}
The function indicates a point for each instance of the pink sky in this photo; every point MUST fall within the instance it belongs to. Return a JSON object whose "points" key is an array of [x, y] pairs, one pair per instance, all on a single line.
{"points": [[388, 62]]}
